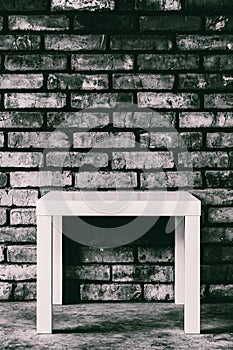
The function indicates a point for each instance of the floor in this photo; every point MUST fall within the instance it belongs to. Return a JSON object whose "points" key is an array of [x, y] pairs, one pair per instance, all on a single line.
{"points": [[128, 326]]}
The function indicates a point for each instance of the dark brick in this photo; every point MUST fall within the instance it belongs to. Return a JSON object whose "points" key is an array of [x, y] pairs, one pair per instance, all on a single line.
{"points": [[103, 22], [142, 273], [220, 101], [21, 119], [72, 42], [218, 62], [169, 23], [221, 178], [141, 42], [219, 140], [99, 100], [217, 234], [102, 62], [106, 255], [19, 42], [143, 81], [191, 81], [219, 23], [209, 5], [77, 81], [167, 61], [3, 179], [111, 291], [35, 62], [93, 272], [77, 119], [217, 254], [154, 255], [23, 5], [220, 215], [25, 291], [221, 292], [157, 5], [192, 140], [205, 42]]}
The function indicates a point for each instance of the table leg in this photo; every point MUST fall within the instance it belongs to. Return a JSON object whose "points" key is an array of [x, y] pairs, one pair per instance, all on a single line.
{"points": [[179, 260], [44, 274], [57, 260], [192, 275]]}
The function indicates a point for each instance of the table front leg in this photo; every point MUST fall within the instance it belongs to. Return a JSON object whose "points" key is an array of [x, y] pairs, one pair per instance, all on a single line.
{"points": [[192, 275], [57, 260], [179, 260], [44, 274]]}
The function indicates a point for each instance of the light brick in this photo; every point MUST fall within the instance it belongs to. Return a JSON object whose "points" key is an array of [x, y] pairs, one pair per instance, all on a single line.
{"points": [[167, 61], [220, 101], [171, 179], [23, 197], [168, 100], [219, 178], [142, 42], [204, 159], [42, 178], [19, 42], [205, 119], [77, 119], [87, 5], [35, 22], [142, 273], [142, 160], [35, 100], [18, 234], [5, 290], [205, 42], [154, 254], [35, 62], [218, 62], [21, 119], [2, 216], [157, 5], [2, 255], [143, 119], [25, 291], [21, 159], [159, 139], [169, 23], [106, 180], [103, 140], [75, 159], [161, 292], [93, 272], [101, 62], [17, 272], [219, 140], [21, 254], [111, 291], [104, 100], [77, 82], [106, 255], [23, 217], [5, 198], [56, 139], [221, 215], [73, 42], [143, 81], [21, 81]]}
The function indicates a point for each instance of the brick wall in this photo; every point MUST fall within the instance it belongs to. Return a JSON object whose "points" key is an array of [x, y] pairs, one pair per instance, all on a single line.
{"points": [[58, 57]]}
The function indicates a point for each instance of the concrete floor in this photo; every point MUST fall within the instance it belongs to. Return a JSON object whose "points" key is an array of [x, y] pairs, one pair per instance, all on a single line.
{"points": [[128, 326]]}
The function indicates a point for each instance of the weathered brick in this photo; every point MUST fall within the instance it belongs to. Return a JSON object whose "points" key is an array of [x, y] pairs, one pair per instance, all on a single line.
{"points": [[18, 234], [141, 42], [215, 196], [217, 254], [1, 23], [2, 255], [142, 160], [143, 119], [87, 5], [159, 139], [171, 179], [75, 159], [21, 119], [168, 100], [23, 197], [23, 5], [220, 101], [2, 139], [154, 255], [219, 139], [104, 100], [3, 179], [23, 216], [5, 198], [204, 159], [21, 81], [93, 272], [25, 291], [44, 139], [73, 42], [217, 273], [110, 292], [209, 5], [142, 273], [77, 119], [102, 62], [17, 272], [143, 81], [35, 62], [103, 140], [205, 119], [106, 255], [219, 178], [2, 216], [19, 42], [20, 254], [221, 215], [106, 180], [218, 62], [161, 292], [5, 290], [219, 23], [35, 100], [221, 291], [157, 5], [21, 159], [205, 42], [217, 234], [35, 22], [192, 140], [167, 61], [42, 178], [103, 22], [77, 82], [169, 23], [205, 81]]}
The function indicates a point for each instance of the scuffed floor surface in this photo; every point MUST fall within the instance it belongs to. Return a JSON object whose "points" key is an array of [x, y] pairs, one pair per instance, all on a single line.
{"points": [[116, 326]]}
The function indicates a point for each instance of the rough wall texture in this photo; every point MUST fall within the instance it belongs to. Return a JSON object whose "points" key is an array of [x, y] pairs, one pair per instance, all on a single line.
{"points": [[174, 56]]}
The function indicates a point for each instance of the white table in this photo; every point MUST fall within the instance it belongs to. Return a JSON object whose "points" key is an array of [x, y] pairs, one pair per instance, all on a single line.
{"points": [[182, 205]]}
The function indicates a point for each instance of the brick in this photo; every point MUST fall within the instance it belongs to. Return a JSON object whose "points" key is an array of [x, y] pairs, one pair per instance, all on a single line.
{"points": [[191, 140], [221, 291], [205, 119], [220, 101], [19, 42], [219, 23], [77, 82], [217, 254], [21, 120], [93, 272], [218, 62], [159, 140], [2, 216], [169, 23], [103, 140], [5, 198], [56, 139], [18, 234], [21, 254], [106, 255], [171, 179], [17, 272], [42, 178], [205, 81], [2, 139], [205, 42], [35, 62], [154, 255], [36, 22], [167, 61], [141, 42], [5, 290], [209, 5], [157, 5], [142, 273], [106, 180], [219, 140], [105, 100], [77, 119], [102, 62], [216, 273], [103, 22], [217, 235], [215, 196], [143, 81], [35, 100], [219, 178], [204, 159], [21, 159], [142, 160], [104, 292], [1, 23], [25, 291], [23, 5], [23, 197], [21, 81], [87, 5], [158, 292], [221, 215], [73, 42], [143, 119], [23, 217], [2, 257], [125, 5], [3, 179], [75, 159], [168, 100]]}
